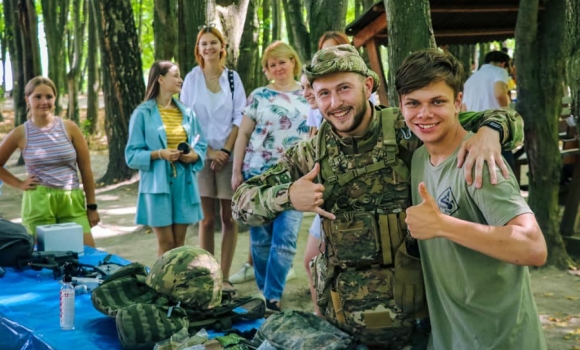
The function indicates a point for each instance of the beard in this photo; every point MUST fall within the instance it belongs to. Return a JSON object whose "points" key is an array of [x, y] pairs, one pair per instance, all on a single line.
{"points": [[360, 110]]}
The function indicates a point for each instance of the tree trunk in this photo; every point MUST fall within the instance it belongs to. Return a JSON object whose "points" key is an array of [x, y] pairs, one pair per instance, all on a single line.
{"points": [[232, 16], [15, 50], [92, 72], [296, 27], [248, 49], [123, 85], [55, 18], [276, 21], [572, 33], [464, 54], [191, 15], [410, 29], [326, 15], [541, 50], [266, 23], [165, 29], [76, 50]]}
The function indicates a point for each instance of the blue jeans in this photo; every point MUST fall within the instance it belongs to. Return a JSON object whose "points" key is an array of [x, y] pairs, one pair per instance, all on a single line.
{"points": [[273, 250]]}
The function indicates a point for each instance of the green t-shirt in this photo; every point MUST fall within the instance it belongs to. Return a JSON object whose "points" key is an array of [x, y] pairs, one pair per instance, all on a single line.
{"points": [[475, 301]]}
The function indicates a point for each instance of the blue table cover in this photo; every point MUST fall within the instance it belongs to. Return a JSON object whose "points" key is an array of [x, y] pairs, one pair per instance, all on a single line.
{"points": [[29, 312]]}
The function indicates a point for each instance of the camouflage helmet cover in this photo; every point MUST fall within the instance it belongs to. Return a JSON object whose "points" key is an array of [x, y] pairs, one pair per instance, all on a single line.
{"points": [[336, 59], [189, 275]]}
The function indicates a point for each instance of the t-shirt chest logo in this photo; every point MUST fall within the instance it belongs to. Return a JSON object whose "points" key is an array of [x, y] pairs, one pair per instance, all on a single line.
{"points": [[447, 202]]}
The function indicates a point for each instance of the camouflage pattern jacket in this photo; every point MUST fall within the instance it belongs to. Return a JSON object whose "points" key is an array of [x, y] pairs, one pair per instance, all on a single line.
{"points": [[367, 281], [260, 199]]}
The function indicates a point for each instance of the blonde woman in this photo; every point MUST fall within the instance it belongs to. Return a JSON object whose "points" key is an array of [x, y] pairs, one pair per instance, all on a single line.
{"points": [[274, 120], [54, 150]]}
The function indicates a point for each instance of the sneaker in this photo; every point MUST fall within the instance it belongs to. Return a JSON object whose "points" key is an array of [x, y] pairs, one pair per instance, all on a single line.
{"points": [[273, 306], [245, 274], [291, 274]]}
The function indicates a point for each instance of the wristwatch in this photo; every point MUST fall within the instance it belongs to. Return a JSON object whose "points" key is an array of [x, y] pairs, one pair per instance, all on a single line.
{"points": [[497, 127], [91, 206]]}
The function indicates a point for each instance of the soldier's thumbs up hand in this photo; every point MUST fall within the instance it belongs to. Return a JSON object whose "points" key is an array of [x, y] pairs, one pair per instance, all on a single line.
{"points": [[425, 220], [305, 195]]}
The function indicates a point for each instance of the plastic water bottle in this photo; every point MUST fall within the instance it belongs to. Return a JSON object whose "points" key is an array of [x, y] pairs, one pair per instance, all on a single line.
{"points": [[67, 304]]}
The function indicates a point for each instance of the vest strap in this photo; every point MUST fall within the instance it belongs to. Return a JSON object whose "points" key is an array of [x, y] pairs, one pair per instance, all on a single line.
{"points": [[389, 134]]}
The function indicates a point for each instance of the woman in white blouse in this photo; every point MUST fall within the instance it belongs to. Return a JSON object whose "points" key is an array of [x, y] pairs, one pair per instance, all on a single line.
{"points": [[217, 97]]}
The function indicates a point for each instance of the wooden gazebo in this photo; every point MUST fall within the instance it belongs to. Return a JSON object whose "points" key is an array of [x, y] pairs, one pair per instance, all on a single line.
{"points": [[454, 23]]}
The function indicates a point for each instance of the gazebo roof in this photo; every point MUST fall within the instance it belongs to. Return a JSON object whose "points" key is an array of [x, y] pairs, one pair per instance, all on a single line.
{"points": [[454, 22]]}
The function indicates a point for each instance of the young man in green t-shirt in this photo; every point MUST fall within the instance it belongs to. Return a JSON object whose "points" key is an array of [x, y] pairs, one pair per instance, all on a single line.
{"points": [[475, 244]]}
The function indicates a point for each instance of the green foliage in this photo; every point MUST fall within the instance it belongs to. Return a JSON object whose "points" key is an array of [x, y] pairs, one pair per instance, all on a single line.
{"points": [[143, 13]]}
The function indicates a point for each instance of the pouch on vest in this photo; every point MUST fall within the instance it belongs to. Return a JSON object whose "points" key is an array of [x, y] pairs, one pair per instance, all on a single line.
{"points": [[409, 287], [362, 304], [15, 243], [323, 275], [353, 239]]}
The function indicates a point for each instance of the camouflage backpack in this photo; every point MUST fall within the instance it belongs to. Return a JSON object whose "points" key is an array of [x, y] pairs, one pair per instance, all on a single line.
{"points": [[298, 330], [367, 284], [181, 292]]}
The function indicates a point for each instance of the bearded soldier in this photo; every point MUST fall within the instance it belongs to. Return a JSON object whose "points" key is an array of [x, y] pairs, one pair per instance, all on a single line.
{"points": [[355, 175]]}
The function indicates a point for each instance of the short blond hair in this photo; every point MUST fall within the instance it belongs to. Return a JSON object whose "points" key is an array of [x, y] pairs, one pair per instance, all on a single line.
{"points": [[279, 49]]}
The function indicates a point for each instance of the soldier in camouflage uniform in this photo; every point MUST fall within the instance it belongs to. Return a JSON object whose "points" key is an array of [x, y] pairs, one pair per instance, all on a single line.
{"points": [[355, 174]]}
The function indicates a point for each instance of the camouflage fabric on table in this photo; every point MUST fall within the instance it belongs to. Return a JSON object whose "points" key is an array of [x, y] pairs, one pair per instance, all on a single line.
{"points": [[189, 275], [298, 330]]}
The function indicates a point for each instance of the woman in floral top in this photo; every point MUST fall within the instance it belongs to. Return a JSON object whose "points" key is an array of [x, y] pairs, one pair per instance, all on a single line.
{"points": [[274, 120]]}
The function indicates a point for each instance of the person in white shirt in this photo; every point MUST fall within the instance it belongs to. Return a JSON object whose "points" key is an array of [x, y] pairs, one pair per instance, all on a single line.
{"points": [[217, 97], [487, 88]]}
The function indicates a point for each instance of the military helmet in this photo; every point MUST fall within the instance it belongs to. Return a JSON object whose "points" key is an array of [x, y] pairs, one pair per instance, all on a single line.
{"points": [[189, 275]]}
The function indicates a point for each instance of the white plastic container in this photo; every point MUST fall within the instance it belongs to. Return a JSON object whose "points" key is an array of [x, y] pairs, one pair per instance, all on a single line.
{"points": [[60, 237]]}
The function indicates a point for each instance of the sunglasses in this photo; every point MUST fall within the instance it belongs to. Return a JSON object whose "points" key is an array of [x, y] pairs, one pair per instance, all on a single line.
{"points": [[206, 27]]}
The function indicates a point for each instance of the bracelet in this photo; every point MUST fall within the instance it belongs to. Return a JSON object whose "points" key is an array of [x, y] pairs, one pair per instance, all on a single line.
{"points": [[159, 154], [226, 151]]}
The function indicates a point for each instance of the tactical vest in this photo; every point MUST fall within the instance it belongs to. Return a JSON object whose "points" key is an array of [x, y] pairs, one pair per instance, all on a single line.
{"points": [[367, 284]]}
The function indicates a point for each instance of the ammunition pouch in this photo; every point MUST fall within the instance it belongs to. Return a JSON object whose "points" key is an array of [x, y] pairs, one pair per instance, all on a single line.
{"points": [[409, 287]]}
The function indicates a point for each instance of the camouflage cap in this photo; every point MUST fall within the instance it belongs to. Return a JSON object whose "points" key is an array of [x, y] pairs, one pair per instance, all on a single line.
{"points": [[335, 59], [188, 274]]}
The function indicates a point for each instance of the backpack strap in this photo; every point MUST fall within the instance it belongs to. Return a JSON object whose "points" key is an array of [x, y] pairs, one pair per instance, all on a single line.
{"points": [[231, 80], [223, 317]]}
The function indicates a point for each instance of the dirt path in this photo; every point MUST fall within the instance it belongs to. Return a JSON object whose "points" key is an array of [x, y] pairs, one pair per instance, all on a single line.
{"points": [[557, 292]]}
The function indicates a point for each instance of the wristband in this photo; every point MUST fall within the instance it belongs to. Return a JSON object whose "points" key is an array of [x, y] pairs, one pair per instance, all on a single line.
{"points": [[497, 127], [226, 151], [91, 206]]}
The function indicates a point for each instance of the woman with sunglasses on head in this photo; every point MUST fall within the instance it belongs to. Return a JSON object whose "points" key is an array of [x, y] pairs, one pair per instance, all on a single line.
{"points": [[217, 96], [167, 146]]}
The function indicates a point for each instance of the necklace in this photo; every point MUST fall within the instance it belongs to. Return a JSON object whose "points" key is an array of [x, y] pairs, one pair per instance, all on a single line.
{"points": [[211, 78]]}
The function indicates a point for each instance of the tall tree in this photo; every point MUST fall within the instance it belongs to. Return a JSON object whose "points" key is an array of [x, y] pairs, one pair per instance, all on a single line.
{"points": [[232, 15], [191, 15], [266, 25], [248, 48], [75, 54], [165, 29], [298, 35], [410, 29], [55, 19], [92, 71], [325, 15], [540, 48], [276, 21], [572, 33], [123, 84], [464, 53]]}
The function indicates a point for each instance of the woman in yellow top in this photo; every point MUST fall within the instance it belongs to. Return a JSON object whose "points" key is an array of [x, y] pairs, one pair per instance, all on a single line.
{"points": [[168, 192]]}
